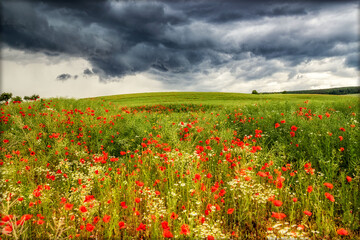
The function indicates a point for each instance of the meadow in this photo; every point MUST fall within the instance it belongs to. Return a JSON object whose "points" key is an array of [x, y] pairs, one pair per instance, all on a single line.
{"points": [[181, 165]]}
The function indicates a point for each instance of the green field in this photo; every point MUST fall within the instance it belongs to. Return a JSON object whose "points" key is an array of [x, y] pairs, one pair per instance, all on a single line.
{"points": [[212, 98], [181, 165]]}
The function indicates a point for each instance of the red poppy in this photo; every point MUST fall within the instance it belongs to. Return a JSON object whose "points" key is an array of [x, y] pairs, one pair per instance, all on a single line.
{"points": [[122, 225], [7, 229], [106, 218], [279, 216], [123, 205], [342, 232], [309, 189], [348, 178], [277, 203], [68, 206], [174, 216], [277, 125], [142, 227], [293, 128], [210, 237], [40, 222], [96, 219], [90, 227], [308, 213], [167, 234], [165, 225], [330, 197], [230, 210], [295, 199], [83, 209], [185, 229], [329, 185]]}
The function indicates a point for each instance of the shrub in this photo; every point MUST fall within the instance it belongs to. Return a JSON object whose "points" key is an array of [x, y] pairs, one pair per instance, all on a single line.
{"points": [[5, 97]]}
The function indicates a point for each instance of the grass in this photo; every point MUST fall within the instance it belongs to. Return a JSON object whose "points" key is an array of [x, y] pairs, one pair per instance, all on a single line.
{"points": [[181, 165], [209, 98]]}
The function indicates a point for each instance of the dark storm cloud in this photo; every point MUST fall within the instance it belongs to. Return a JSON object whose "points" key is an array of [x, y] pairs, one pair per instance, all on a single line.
{"points": [[63, 77], [125, 37], [88, 72]]}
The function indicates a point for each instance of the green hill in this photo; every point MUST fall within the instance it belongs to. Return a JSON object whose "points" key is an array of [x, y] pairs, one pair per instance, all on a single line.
{"points": [[209, 98], [330, 91]]}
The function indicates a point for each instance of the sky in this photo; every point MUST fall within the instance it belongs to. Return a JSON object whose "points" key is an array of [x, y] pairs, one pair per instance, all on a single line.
{"points": [[91, 48]]}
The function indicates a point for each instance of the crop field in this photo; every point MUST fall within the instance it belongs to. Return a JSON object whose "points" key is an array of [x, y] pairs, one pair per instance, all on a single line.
{"points": [[182, 166]]}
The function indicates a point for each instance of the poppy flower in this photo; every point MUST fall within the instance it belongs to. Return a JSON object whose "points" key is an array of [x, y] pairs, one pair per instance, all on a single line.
{"points": [[96, 219], [26, 217], [277, 125], [309, 189], [7, 229], [142, 227], [123, 205], [68, 206], [185, 229], [165, 225], [122, 225], [167, 234], [174, 216], [277, 203], [230, 210], [89, 227], [295, 199], [83, 209], [40, 222], [329, 185], [279, 216], [308, 213], [293, 128], [106, 219], [348, 178], [330, 197], [342, 232]]}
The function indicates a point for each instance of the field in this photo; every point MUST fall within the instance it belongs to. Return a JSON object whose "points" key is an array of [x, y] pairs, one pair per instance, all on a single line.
{"points": [[181, 165]]}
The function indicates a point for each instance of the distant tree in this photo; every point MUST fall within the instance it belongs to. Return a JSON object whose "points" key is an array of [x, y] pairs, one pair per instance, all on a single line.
{"points": [[284, 92], [5, 97], [33, 97], [254, 92], [17, 99]]}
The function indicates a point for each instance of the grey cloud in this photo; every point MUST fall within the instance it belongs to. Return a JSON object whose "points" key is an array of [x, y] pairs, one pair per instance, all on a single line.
{"points": [[353, 60], [63, 77], [88, 72], [180, 37]]}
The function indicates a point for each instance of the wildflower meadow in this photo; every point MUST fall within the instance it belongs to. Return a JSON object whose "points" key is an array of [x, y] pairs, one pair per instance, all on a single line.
{"points": [[182, 166]]}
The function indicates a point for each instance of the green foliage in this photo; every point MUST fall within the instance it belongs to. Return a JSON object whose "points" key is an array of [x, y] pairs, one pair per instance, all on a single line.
{"points": [[16, 99], [5, 97], [330, 91], [33, 97], [254, 92]]}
